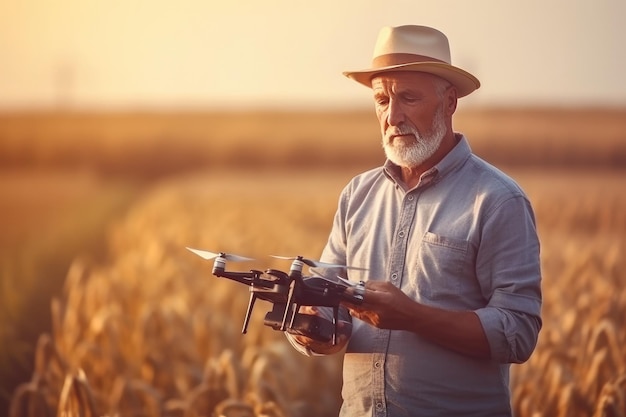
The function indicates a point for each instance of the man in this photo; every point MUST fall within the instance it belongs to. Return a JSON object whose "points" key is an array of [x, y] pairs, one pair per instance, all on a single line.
{"points": [[453, 281]]}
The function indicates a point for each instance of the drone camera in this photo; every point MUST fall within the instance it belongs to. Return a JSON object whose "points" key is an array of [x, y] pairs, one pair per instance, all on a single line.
{"points": [[314, 327]]}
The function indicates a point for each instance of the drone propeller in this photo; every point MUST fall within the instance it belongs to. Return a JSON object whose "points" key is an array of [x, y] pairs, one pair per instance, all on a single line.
{"points": [[210, 255], [347, 282], [316, 264], [341, 281]]}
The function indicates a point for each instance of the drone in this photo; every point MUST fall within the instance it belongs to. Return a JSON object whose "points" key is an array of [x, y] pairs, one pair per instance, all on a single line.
{"points": [[289, 291]]}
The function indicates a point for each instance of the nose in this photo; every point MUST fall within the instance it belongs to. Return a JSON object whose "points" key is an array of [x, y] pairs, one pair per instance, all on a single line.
{"points": [[395, 113]]}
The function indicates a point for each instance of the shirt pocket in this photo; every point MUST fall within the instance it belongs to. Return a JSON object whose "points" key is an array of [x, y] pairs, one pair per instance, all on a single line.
{"points": [[443, 267]]}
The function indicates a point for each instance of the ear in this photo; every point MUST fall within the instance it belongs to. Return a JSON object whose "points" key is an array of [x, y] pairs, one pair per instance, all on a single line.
{"points": [[450, 100]]}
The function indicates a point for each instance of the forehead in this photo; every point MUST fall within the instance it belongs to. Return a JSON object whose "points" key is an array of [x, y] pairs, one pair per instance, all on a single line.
{"points": [[402, 80]]}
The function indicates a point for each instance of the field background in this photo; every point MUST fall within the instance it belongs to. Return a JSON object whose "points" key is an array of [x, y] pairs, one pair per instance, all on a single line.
{"points": [[102, 309]]}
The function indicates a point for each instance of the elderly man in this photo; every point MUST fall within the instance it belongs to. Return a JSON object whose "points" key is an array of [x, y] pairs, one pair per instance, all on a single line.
{"points": [[453, 280]]}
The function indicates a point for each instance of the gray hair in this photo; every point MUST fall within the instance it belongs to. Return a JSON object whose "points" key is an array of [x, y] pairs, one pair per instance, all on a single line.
{"points": [[441, 85]]}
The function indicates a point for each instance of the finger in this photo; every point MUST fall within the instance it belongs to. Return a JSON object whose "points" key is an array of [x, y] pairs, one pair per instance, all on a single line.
{"points": [[355, 313], [307, 310], [302, 340]]}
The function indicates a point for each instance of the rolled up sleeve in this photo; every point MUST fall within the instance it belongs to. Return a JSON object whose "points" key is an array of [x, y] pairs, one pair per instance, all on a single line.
{"points": [[508, 267], [512, 335]]}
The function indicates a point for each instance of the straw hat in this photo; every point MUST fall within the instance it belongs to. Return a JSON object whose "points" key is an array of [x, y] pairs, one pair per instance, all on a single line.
{"points": [[415, 48]]}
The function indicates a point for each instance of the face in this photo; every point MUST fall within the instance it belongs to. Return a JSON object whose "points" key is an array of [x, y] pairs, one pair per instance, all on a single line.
{"points": [[414, 111]]}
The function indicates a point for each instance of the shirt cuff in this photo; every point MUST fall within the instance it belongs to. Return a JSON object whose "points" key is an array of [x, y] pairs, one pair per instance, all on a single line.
{"points": [[491, 322]]}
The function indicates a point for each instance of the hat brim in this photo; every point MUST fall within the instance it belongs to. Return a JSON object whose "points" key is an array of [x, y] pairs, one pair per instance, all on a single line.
{"points": [[464, 82]]}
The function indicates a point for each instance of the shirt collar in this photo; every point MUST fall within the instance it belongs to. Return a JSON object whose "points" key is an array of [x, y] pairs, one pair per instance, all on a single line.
{"points": [[449, 163]]}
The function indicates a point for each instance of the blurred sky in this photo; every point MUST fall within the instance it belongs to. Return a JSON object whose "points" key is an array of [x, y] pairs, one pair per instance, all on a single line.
{"points": [[272, 53]]}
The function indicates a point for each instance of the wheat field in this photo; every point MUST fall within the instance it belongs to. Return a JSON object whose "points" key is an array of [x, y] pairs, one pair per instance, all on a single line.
{"points": [[152, 333], [148, 331]]}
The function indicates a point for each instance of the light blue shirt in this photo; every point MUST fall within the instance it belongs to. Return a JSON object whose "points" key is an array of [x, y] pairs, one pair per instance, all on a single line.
{"points": [[463, 239]]}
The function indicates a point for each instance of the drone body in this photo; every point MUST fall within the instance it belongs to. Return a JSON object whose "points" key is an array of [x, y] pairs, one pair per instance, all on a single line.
{"points": [[288, 292]]}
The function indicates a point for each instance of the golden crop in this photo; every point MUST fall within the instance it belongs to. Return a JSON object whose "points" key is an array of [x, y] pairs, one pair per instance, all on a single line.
{"points": [[150, 332], [153, 333], [579, 367]]}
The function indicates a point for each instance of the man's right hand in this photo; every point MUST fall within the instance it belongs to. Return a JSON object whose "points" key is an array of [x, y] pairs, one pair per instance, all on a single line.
{"points": [[344, 331]]}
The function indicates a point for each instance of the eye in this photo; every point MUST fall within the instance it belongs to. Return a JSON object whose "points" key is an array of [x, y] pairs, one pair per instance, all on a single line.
{"points": [[410, 99], [381, 100]]}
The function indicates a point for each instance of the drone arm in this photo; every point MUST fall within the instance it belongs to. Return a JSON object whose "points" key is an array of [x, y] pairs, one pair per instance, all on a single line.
{"points": [[248, 278]]}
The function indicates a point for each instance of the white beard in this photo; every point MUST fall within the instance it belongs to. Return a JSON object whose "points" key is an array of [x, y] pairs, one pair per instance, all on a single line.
{"points": [[415, 151]]}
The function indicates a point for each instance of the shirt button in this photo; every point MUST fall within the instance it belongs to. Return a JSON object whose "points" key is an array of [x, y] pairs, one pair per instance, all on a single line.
{"points": [[379, 406], [377, 365], [401, 234], [411, 198], [394, 277]]}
